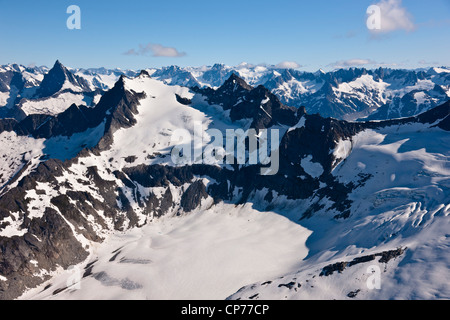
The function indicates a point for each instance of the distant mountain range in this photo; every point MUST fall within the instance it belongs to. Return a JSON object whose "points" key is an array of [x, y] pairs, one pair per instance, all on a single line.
{"points": [[343, 94], [348, 94]]}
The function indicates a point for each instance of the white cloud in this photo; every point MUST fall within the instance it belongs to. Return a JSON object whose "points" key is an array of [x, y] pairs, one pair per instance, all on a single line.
{"points": [[424, 62], [155, 50], [394, 17], [352, 63], [287, 65], [131, 52]]}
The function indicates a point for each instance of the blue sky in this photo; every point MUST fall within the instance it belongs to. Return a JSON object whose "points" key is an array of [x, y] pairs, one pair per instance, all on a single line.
{"points": [[313, 34]]}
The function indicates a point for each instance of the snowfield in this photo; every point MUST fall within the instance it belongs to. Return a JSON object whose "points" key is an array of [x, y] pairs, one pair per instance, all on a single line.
{"points": [[160, 117], [16, 151], [57, 104], [205, 255]]}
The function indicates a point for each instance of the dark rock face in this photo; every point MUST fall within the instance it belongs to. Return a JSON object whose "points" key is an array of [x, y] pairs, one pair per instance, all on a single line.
{"points": [[14, 83], [193, 196], [445, 124], [7, 125], [304, 140], [234, 85], [5, 79], [389, 255], [246, 102], [228, 94], [353, 294], [49, 241], [386, 256], [182, 100], [116, 108], [332, 268], [289, 285], [54, 80]]}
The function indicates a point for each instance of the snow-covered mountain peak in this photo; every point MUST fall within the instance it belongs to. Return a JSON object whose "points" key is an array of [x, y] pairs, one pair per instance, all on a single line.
{"points": [[439, 70], [235, 83]]}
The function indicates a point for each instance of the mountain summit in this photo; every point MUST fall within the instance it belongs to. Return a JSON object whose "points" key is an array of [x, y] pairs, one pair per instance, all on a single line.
{"points": [[59, 78]]}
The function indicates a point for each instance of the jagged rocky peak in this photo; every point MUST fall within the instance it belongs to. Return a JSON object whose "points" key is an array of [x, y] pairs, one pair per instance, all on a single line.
{"points": [[234, 84], [247, 102], [58, 77], [168, 72], [59, 65], [232, 92], [116, 108], [218, 66], [144, 73]]}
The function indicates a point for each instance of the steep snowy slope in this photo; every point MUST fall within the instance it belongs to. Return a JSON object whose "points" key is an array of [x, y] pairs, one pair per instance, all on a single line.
{"points": [[22, 154], [16, 81], [398, 225], [351, 192], [56, 104], [16, 153]]}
